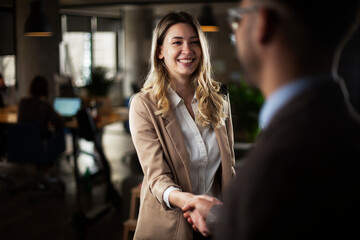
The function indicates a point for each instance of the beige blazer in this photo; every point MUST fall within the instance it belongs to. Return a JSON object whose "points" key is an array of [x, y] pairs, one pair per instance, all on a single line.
{"points": [[165, 162]]}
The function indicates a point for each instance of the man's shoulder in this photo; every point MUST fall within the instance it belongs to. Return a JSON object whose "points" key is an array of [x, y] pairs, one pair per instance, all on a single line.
{"points": [[309, 125], [318, 106]]}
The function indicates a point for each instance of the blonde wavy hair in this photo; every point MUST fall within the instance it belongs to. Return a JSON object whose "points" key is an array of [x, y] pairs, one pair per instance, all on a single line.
{"points": [[212, 106]]}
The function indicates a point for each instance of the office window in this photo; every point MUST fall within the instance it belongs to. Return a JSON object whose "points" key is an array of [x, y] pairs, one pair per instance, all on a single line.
{"points": [[76, 57], [89, 42], [7, 68], [105, 51], [7, 46]]}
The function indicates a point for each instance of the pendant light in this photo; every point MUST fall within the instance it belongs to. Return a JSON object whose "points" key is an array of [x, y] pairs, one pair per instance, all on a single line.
{"points": [[37, 24], [207, 20]]}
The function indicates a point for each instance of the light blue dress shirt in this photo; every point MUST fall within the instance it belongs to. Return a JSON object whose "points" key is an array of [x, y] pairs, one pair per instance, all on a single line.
{"points": [[286, 93]]}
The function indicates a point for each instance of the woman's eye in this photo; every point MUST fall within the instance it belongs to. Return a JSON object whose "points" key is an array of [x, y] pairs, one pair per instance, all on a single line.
{"points": [[196, 42], [176, 43]]}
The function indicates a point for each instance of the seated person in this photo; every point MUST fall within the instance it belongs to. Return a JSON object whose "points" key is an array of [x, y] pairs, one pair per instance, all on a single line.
{"points": [[36, 109]]}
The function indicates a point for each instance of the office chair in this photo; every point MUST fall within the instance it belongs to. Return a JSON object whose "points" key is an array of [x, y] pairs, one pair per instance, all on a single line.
{"points": [[25, 145], [88, 131]]}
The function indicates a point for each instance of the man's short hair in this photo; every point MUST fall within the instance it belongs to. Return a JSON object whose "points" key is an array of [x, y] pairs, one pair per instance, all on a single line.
{"points": [[324, 23]]}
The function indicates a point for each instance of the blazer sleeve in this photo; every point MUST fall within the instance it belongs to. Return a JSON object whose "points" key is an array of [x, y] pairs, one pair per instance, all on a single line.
{"points": [[230, 134], [147, 142]]}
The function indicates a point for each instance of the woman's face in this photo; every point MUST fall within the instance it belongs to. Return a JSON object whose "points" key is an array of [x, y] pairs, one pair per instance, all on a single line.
{"points": [[181, 51]]}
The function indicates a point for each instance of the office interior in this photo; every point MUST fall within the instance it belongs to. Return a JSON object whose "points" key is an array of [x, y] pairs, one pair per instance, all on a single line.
{"points": [[113, 36]]}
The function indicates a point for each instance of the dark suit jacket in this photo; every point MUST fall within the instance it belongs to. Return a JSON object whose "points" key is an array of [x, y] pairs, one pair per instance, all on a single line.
{"points": [[301, 179]]}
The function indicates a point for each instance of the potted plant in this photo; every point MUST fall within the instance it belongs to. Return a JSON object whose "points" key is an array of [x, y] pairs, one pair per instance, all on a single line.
{"points": [[245, 104], [97, 88], [98, 83]]}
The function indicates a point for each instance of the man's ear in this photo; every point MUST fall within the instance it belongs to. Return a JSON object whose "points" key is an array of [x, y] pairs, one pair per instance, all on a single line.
{"points": [[266, 26]]}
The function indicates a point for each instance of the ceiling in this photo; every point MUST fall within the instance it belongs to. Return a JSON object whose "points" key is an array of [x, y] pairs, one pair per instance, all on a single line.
{"points": [[86, 3], [77, 3], [114, 7]]}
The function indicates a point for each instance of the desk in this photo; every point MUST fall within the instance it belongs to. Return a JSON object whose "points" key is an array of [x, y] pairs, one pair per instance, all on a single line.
{"points": [[8, 115]]}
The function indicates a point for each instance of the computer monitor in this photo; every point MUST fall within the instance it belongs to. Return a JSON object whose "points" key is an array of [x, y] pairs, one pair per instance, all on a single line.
{"points": [[67, 107]]}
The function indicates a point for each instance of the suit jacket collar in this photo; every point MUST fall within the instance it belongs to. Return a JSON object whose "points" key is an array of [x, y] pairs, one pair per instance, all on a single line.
{"points": [[285, 94], [305, 102]]}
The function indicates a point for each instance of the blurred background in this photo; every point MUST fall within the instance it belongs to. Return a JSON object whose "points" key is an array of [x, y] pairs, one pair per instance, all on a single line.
{"points": [[98, 50]]}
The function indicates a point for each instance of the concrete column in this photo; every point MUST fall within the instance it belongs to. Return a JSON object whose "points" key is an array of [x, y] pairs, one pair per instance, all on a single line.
{"points": [[137, 29], [36, 55]]}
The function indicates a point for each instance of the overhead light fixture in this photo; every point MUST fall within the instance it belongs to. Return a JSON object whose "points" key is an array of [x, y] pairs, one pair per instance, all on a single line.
{"points": [[207, 20], [37, 24]]}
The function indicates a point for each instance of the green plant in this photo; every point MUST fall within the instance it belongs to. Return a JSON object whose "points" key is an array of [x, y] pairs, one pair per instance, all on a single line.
{"points": [[98, 83], [245, 104]]}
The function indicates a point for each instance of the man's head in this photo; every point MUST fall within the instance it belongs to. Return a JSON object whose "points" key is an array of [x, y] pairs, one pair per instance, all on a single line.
{"points": [[310, 31], [320, 24]]}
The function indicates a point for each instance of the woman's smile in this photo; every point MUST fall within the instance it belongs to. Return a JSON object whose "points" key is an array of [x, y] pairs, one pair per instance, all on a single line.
{"points": [[186, 60]]}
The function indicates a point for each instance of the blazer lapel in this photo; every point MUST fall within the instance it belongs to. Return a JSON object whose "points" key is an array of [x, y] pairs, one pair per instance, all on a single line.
{"points": [[225, 154], [178, 141]]}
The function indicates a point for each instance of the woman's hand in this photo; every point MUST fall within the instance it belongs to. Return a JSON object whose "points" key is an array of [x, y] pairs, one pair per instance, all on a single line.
{"points": [[201, 203], [197, 209], [179, 199]]}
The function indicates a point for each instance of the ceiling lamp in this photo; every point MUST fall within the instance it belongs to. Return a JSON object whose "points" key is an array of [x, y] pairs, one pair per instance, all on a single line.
{"points": [[207, 20], [37, 24]]}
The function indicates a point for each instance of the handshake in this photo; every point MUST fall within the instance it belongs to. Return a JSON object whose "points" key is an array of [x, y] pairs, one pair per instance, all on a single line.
{"points": [[197, 211]]}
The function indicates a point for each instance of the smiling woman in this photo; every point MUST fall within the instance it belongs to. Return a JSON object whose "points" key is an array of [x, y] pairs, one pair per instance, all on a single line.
{"points": [[181, 128]]}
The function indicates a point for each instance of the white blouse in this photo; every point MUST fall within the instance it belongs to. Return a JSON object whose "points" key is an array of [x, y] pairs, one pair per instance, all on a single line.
{"points": [[202, 146]]}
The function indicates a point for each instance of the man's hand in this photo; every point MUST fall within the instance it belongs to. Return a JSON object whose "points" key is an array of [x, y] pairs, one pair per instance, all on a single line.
{"points": [[196, 211]]}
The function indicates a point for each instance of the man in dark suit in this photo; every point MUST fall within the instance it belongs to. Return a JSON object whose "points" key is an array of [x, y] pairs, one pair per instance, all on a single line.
{"points": [[300, 180]]}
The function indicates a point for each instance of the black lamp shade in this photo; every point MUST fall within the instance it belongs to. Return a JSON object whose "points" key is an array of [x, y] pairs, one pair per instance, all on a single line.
{"points": [[37, 24], [207, 20]]}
